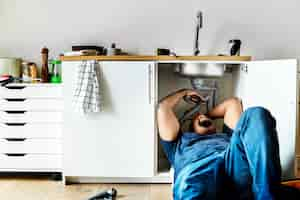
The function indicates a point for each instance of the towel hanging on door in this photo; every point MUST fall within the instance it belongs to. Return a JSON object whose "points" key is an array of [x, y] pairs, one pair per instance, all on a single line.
{"points": [[87, 94]]}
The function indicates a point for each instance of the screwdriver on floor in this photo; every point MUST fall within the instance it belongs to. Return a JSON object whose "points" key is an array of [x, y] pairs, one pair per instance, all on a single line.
{"points": [[110, 194]]}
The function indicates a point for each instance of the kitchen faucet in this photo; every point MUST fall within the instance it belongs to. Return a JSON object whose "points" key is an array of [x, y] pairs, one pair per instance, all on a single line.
{"points": [[198, 27]]}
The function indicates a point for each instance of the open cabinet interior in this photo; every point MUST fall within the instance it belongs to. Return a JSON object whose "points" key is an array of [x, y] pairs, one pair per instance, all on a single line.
{"points": [[257, 83], [168, 82]]}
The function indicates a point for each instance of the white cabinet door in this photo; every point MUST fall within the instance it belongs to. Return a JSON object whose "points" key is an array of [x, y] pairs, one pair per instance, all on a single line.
{"points": [[119, 141], [273, 85], [239, 81]]}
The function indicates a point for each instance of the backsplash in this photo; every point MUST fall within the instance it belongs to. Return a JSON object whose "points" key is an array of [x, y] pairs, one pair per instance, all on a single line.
{"points": [[141, 26]]}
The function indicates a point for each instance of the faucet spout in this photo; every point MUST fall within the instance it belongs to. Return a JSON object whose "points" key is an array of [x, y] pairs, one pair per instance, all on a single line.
{"points": [[198, 27]]}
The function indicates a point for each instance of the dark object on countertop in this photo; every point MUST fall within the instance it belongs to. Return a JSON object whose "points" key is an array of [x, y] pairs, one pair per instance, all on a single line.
{"points": [[4, 80], [110, 194], [162, 52], [45, 72], [113, 51], [235, 47], [7, 79], [99, 49]]}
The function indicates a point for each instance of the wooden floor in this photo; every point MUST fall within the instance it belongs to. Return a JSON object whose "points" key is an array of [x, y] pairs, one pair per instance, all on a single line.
{"points": [[43, 188], [28, 188]]}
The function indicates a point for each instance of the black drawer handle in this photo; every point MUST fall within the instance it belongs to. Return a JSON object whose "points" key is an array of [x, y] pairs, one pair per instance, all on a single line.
{"points": [[15, 111], [15, 139], [15, 124], [12, 99], [15, 87], [16, 154]]}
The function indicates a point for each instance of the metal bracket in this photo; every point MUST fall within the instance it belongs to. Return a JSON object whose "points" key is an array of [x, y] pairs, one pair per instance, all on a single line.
{"points": [[244, 68]]}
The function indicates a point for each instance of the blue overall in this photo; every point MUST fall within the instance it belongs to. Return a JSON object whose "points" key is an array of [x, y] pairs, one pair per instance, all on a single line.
{"points": [[239, 164]]}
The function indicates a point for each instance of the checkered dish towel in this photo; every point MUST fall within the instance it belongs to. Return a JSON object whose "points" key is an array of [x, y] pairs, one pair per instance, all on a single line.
{"points": [[87, 96]]}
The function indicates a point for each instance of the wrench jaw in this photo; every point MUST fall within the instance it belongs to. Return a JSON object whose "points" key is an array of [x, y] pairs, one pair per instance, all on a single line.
{"points": [[110, 194]]}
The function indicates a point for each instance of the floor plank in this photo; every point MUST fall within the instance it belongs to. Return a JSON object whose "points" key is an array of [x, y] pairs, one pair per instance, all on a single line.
{"points": [[28, 188]]}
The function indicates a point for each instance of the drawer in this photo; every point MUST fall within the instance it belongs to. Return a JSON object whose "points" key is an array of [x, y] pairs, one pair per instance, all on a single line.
{"points": [[31, 130], [31, 146], [31, 91], [29, 117], [30, 161], [31, 104]]}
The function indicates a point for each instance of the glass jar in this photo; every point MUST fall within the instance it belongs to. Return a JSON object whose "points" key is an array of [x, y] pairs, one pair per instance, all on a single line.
{"points": [[55, 76], [33, 72], [25, 72]]}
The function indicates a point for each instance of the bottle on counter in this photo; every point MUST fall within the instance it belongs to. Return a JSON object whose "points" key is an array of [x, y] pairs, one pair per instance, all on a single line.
{"points": [[235, 47], [44, 74], [50, 68], [112, 50], [55, 77]]}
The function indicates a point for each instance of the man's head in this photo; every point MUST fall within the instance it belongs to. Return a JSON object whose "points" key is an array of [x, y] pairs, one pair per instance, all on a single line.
{"points": [[203, 125]]}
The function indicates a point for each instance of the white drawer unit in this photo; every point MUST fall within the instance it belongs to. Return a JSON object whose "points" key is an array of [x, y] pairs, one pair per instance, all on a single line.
{"points": [[30, 128]]}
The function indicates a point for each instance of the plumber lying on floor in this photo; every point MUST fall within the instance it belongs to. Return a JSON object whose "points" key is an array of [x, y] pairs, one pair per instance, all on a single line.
{"points": [[240, 163]]}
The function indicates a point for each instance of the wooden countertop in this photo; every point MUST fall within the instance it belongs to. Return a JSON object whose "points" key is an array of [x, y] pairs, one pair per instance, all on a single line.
{"points": [[157, 58]]}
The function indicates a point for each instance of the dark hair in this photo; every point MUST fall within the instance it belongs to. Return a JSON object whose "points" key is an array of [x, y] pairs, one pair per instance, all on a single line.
{"points": [[191, 126]]}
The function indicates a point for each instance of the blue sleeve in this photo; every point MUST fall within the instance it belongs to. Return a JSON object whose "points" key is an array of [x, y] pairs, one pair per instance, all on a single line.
{"points": [[169, 149]]}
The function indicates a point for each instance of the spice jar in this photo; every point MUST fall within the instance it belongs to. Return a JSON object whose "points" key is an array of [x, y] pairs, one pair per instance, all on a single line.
{"points": [[33, 72], [25, 72]]}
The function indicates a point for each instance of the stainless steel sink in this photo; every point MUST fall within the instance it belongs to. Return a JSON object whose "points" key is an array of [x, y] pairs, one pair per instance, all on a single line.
{"points": [[200, 70]]}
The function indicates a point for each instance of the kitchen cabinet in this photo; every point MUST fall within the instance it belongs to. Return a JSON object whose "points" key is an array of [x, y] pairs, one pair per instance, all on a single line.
{"points": [[270, 84], [118, 141], [31, 128], [120, 144]]}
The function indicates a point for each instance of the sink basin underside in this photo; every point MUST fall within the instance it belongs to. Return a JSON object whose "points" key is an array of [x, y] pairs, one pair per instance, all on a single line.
{"points": [[201, 70]]}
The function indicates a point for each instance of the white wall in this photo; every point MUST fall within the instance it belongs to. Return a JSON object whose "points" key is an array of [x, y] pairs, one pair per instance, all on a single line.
{"points": [[268, 29]]}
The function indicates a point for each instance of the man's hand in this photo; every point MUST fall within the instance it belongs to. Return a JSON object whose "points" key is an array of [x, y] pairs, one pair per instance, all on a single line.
{"points": [[190, 92], [168, 124], [193, 96]]}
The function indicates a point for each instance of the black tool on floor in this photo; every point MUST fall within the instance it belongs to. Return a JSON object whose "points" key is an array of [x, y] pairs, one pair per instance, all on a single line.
{"points": [[110, 194]]}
